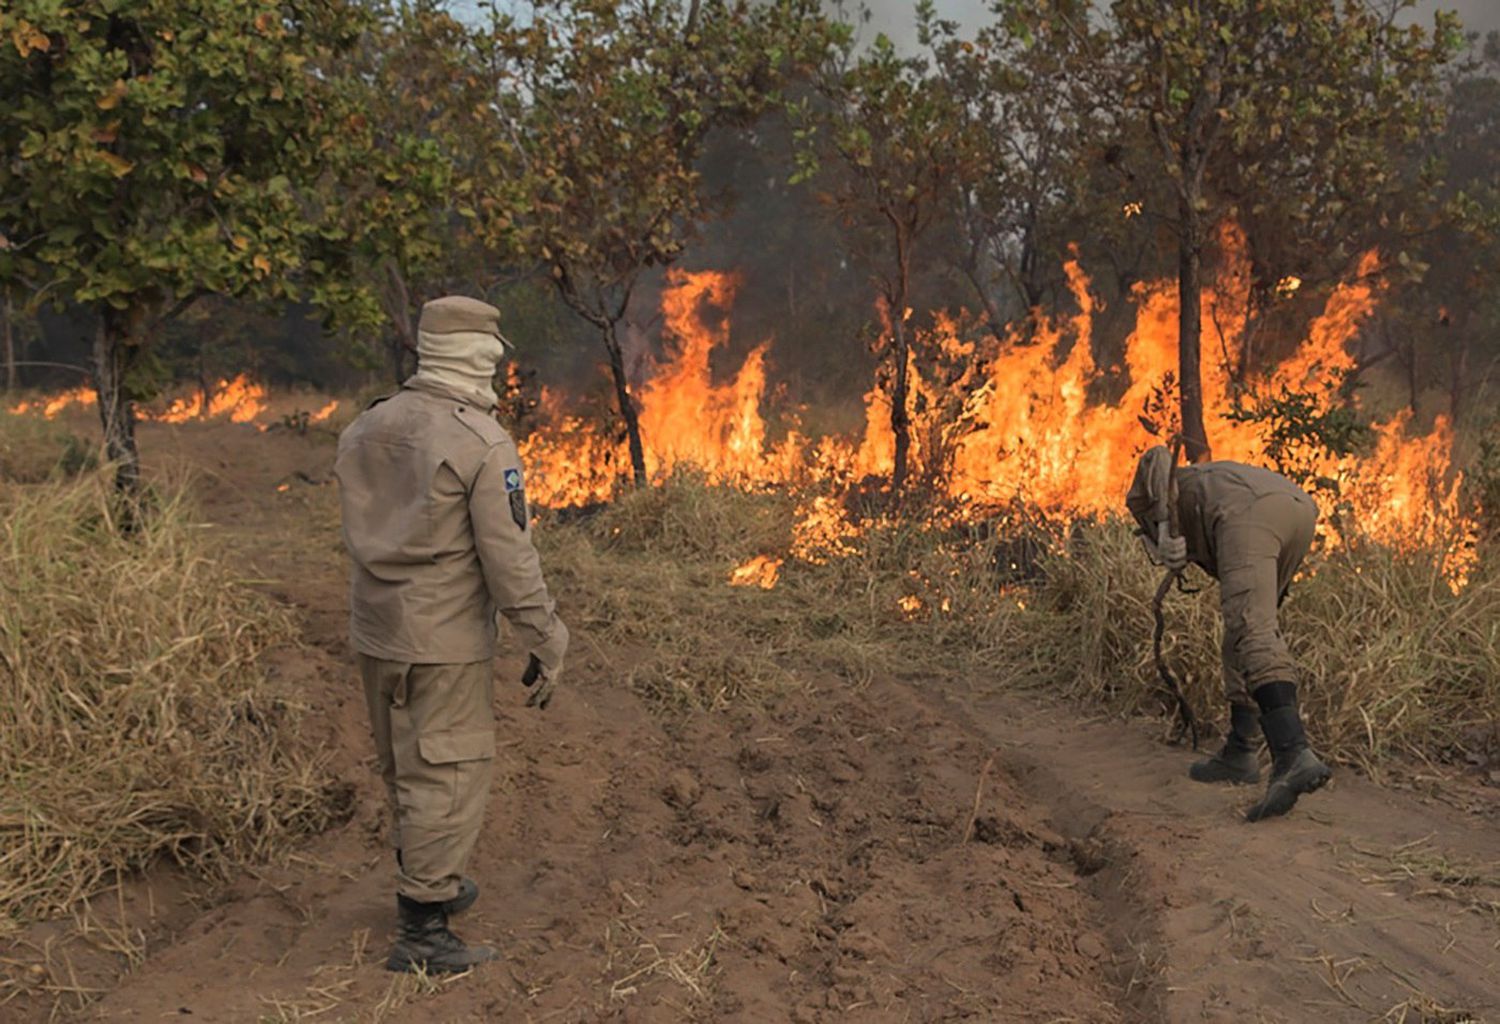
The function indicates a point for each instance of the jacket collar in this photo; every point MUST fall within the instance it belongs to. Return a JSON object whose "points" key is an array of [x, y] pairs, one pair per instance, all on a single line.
{"points": [[417, 382]]}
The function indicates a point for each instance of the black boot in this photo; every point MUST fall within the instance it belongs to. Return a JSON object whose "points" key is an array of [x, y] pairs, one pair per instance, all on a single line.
{"points": [[468, 892], [1236, 762], [424, 942], [1295, 769]]}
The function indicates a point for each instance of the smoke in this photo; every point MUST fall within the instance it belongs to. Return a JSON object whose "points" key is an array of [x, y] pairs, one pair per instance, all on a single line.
{"points": [[1478, 15]]}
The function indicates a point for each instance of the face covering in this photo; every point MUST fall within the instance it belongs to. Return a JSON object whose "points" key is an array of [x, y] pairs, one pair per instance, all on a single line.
{"points": [[459, 361]]}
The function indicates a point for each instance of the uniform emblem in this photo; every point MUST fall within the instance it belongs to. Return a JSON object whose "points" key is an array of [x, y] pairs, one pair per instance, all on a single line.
{"points": [[515, 489]]}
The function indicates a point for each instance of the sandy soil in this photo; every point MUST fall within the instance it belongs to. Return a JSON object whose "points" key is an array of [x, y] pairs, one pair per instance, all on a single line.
{"points": [[910, 850]]}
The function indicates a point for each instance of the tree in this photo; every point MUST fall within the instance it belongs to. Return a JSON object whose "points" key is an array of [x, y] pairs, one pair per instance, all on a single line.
{"points": [[622, 98], [1289, 109], [1022, 96], [8, 340], [892, 147], [157, 151], [1464, 252], [428, 96]]}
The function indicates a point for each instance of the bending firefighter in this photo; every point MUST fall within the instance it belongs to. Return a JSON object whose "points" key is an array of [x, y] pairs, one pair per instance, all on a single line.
{"points": [[435, 521], [1249, 528]]}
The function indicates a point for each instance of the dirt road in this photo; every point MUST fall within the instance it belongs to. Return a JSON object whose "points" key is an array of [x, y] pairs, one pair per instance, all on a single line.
{"points": [[905, 850]]}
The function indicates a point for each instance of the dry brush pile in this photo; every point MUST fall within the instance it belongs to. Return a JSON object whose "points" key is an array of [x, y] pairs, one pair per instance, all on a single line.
{"points": [[137, 722]]}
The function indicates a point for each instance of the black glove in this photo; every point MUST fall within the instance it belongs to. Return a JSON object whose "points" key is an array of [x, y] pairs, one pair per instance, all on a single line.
{"points": [[542, 695]]}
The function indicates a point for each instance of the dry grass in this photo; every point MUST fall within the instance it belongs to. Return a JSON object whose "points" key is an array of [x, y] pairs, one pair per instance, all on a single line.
{"points": [[1473, 886], [1423, 1009], [341, 992], [138, 723], [1393, 662], [645, 582], [34, 450], [646, 579], [636, 959]]}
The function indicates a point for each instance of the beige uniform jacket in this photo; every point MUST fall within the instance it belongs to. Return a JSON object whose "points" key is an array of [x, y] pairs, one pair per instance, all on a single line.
{"points": [[1213, 493], [1248, 527], [436, 523]]}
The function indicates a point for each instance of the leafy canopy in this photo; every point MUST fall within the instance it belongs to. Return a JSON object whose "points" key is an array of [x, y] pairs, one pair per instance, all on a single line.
{"points": [[153, 150], [620, 101]]}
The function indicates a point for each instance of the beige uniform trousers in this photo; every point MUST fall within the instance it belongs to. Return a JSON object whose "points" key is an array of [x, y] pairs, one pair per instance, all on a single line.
{"points": [[1259, 550], [434, 732]]}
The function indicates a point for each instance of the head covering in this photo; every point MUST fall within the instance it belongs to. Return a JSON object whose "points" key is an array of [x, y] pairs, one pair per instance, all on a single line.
{"points": [[1151, 489], [459, 346]]}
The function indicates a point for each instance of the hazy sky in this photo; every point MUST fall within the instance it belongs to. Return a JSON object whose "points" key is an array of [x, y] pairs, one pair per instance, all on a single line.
{"points": [[894, 17]]}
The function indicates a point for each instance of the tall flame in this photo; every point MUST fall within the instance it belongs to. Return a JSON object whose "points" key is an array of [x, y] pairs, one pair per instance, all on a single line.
{"points": [[1030, 422], [1033, 419], [686, 419]]}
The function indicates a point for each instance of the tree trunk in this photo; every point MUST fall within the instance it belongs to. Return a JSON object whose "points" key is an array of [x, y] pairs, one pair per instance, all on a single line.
{"points": [[896, 295], [1190, 330], [403, 350], [628, 410], [115, 350], [1458, 378], [992, 317], [397, 300], [7, 330], [900, 414], [400, 361], [1410, 362]]}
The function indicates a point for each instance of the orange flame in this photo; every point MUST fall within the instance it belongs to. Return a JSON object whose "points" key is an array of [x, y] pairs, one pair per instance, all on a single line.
{"points": [[323, 414], [51, 406], [1037, 420], [688, 420], [761, 571], [240, 400]]}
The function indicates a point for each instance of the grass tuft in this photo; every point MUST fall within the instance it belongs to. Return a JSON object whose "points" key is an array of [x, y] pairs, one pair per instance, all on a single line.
{"points": [[1393, 662], [138, 722], [35, 450]]}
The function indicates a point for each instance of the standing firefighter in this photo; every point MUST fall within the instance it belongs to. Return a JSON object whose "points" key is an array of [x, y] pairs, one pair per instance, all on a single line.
{"points": [[1249, 528], [435, 521]]}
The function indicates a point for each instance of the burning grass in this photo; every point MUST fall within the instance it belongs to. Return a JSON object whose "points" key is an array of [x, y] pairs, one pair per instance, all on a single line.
{"points": [[1395, 662], [137, 722], [647, 580]]}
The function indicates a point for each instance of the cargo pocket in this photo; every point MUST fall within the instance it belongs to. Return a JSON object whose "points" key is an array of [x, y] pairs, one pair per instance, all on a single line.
{"points": [[464, 755]]}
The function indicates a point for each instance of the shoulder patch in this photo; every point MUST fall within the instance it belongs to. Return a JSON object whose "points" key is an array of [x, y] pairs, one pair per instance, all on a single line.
{"points": [[518, 507], [482, 424]]}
